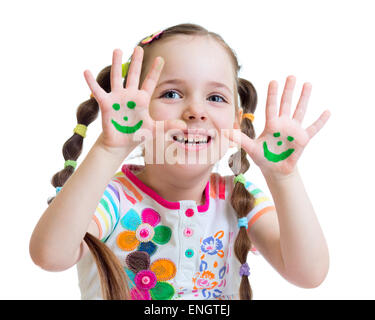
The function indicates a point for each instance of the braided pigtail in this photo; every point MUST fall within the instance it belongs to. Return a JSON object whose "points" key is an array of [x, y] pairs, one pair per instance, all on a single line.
{"points": [[113, 279], [87, 112], [243, 201]]}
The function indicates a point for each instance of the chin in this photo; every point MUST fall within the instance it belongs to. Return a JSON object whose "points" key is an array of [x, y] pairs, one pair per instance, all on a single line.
{"points": [[188, 157]]}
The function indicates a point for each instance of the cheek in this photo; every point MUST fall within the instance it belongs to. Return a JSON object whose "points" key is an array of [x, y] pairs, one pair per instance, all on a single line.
{"points": [[161, 111], [223, 121]]}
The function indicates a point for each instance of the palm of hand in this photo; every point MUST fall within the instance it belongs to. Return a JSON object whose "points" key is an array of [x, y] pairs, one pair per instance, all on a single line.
{"points": [[123, 114], [125, 110], [283, 139], [280, 145]]}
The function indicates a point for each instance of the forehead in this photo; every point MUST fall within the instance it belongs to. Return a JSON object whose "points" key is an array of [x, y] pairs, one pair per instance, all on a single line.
{"points": [[198, 58]]}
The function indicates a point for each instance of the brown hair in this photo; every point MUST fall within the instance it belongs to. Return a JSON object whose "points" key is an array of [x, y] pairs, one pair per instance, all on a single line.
{"points": [[241, 199], [113, 279]]}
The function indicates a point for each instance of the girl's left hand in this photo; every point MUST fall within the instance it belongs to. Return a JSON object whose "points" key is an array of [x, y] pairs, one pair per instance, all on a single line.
{"points": [[277, 150]]}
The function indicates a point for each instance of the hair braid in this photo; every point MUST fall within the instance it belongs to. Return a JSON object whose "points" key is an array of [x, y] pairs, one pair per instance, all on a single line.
{"points": [[113, 279], [243, 201], [87, 112]]}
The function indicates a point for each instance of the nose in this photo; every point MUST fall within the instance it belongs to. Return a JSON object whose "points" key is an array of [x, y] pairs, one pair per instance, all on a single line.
{"points": [[195, 112]]}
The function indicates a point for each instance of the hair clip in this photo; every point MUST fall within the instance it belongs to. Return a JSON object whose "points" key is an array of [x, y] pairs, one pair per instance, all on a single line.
{"points": [[151, 38]]}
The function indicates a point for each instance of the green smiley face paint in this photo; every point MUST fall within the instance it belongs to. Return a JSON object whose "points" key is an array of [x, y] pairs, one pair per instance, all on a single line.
{"points": [[276, 157], [126, 129]]}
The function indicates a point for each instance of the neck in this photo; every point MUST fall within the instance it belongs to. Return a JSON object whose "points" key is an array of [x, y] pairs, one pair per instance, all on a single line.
{"points": [[174, 184]]}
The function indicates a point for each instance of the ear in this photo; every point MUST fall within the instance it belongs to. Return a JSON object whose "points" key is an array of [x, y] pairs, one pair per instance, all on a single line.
{"points": [[238, 119]]}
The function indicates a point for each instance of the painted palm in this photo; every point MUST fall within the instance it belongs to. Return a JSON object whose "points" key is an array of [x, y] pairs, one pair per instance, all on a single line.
{"points": [[283, 139]]}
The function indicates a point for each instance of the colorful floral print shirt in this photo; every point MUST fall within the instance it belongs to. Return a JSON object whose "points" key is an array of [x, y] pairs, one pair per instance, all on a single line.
{"points": [[170, 250]]}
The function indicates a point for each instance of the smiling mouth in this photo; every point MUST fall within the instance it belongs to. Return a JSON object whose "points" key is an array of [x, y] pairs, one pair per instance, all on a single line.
{"points": [[127, 129], [192, 142], [276, 157]]}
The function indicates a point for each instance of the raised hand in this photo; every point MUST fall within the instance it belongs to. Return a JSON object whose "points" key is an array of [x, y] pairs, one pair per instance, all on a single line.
{"points": [[283, 139], [126, 110]]}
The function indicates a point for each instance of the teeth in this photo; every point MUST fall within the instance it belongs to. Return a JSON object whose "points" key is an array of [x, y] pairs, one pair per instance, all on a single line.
{"points": [[196, 139]]}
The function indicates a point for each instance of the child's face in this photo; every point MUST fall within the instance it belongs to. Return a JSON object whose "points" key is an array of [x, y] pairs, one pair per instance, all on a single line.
{"points": [[195, 62]]}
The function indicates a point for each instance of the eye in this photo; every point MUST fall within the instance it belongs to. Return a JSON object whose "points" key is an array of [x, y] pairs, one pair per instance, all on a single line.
{"points": [[215, 95], [169, 94]]}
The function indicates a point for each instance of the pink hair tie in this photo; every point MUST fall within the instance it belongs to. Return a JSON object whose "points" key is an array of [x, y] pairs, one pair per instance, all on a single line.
{"points": [[153, 37]]}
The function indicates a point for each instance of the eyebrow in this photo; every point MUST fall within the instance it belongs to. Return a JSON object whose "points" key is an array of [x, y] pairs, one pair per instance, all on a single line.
{"points": [[180, 81]]}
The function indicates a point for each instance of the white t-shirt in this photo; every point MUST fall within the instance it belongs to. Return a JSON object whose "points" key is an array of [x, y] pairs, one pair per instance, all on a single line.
{"points": [[170, 250]]}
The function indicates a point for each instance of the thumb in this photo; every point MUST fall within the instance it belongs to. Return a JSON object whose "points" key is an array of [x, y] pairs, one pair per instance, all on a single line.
{"points": [[241, 139]]}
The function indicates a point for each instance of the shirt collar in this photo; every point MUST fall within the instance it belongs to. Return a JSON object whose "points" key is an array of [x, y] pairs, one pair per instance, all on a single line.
{"points": [[127, 170]]}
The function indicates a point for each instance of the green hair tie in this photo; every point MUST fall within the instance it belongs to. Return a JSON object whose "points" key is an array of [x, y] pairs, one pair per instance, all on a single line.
{"points": [[125, 67], [71, 163], [240, 178], [81, 130]]}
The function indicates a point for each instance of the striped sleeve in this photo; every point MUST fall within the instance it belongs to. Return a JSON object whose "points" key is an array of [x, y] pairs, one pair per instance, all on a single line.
{"points": [[262, 204], [107, 215]]}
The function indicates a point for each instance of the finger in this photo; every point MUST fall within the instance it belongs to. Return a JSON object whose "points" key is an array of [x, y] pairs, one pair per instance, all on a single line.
{"points": [[318, 124], [241, 139], [152, 77], [300, 111], [116, 70], [286, 98], [96, 90], [271, 104], [135, 68]]}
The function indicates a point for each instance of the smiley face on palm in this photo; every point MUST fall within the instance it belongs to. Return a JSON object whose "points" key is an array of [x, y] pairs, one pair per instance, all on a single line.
{"points": [[125, 110], [123, 128], [283, 139]]}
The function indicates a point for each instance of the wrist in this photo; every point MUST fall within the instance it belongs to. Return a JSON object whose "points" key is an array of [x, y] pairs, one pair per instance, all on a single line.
{"points": [[271, 176], [113, 152]]}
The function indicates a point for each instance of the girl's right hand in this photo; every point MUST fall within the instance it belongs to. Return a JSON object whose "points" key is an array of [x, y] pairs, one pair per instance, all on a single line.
{"points": [[125, 110]]}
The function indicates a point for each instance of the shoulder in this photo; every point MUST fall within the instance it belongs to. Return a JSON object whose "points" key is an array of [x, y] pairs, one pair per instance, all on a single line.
{"points": [[224, 185], [221, 186], [125, 184]]}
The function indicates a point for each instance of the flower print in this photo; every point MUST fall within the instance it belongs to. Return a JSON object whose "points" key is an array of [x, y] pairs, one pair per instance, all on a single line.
{"points": [[206, 281], [143, 233], [149, 281], [213, 245]]}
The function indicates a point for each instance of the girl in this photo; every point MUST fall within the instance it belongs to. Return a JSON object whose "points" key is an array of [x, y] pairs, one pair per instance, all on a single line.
{"points": [[177, 230]]}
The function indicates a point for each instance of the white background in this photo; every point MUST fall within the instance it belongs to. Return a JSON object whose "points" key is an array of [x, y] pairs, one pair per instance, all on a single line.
{"points": [[46, 46]]}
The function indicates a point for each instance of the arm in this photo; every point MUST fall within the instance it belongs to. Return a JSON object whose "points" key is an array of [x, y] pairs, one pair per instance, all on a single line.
{"points": [[56, 243], [292, 240], [57, 240]]}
